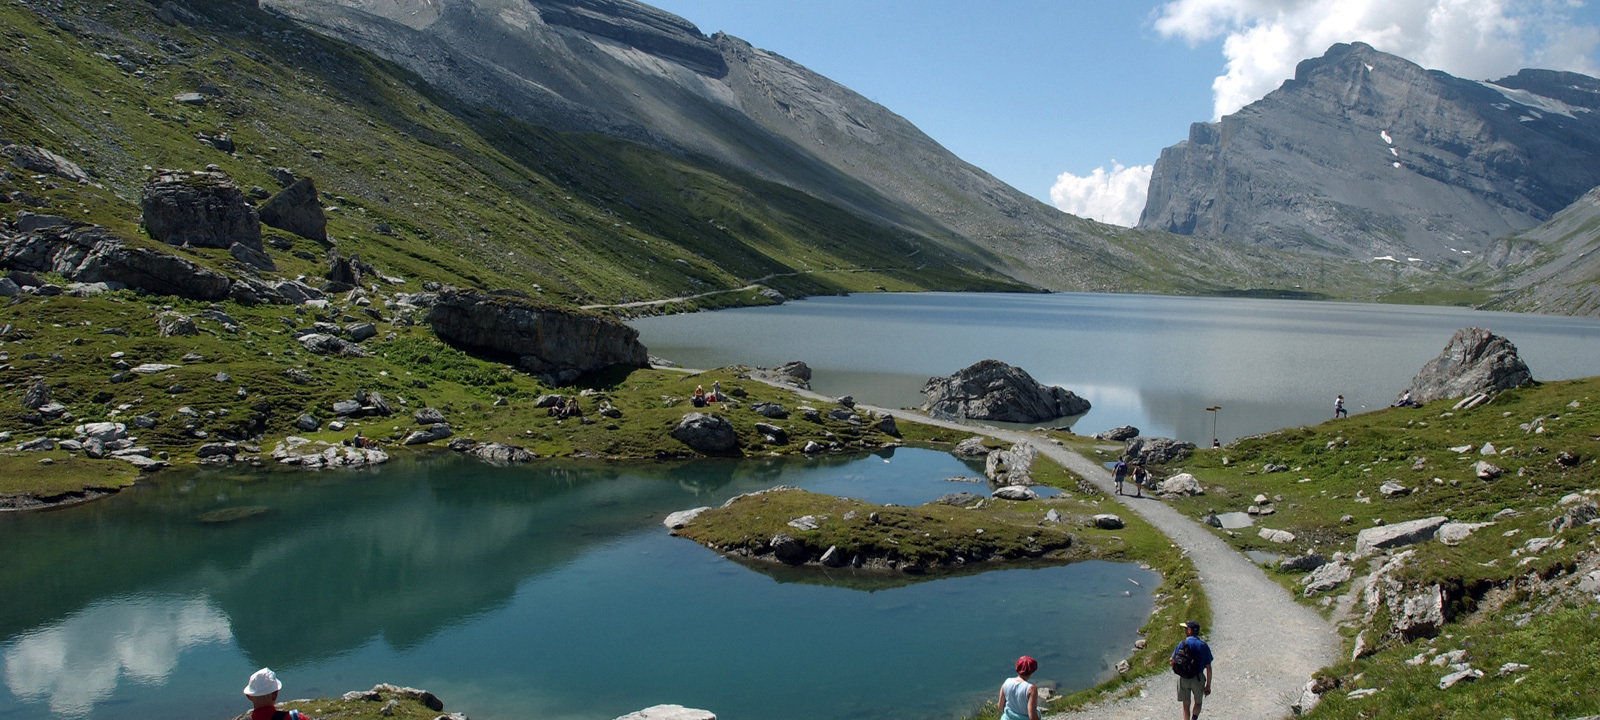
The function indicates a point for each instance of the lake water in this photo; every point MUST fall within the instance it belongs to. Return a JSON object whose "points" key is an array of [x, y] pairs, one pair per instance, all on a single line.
{"points": [[549, 591], [1153, 362]]}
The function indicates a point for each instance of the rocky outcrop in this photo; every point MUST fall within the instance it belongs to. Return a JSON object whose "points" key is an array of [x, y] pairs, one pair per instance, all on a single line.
{"points": [[436, 431], [1180, 484], [1156, 450], [296, 209], [1118, 434], [1366, 154], [1385, 537], [1474, 361], [493, 453], [971, 447], [40, 160], [202, 209], [93, 254], [558, 342], [706, 433], [993, 390], [1011, 467], [670, 712]]}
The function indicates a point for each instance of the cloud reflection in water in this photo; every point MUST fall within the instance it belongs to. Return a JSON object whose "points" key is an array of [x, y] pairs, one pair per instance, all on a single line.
{"points": [[77, 662]]}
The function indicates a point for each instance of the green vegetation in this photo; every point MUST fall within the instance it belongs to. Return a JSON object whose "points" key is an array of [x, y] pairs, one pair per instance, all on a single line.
{"points": [[1504, 601], [1459, 298], [28, 474], [378, 705]]}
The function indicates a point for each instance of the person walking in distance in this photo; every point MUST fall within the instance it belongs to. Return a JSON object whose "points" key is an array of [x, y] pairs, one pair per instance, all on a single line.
{"points": [[1190, 660], [1338, 408], [1019, 699], [1119, 472]]}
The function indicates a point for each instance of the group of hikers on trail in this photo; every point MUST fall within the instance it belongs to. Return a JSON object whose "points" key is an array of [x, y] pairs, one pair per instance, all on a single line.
{"points": [[1141, 477], [1190, 661]]}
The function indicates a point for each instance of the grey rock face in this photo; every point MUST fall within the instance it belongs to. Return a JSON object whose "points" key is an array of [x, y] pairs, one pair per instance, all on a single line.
{"points": [[329, 345], [1107, 521], [1011, 467], [993, 390], [1456, 532], [1420, 614], [1119, 434], [254, 258], [958, 499], [493, 453], [706, 433], [774, 434], [1180, 484], [1397, 535], [172, 324], [40, 160], [202, 210], [1474, 361], [296, 209], [37, 396], [971, 447], [437, 431], [788, 550], [1550, 268], [1367, 154], [547, 339], [769, 410], [681, 518], [1016, 492], [1303, 563], [90, 253], [1326, 578], [428, 416], [307, 423], [1156, 450]]}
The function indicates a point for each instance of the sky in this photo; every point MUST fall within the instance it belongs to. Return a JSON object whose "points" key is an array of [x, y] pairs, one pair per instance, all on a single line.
{"points": [[1071, 101]]}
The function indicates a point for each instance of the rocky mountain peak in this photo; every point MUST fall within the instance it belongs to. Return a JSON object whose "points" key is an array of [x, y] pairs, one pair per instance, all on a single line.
{"points": [[1367, 154]]}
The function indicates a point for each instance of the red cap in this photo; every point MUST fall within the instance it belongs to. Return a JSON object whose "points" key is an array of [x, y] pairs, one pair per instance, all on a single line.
{"points": [[1026, 665]]}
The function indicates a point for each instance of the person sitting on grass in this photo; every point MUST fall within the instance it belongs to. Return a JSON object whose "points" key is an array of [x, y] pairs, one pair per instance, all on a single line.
{"points": [[262, 692]]}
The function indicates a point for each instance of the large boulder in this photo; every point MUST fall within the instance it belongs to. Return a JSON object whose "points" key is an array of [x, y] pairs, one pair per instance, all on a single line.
{"points": [[91, 254], [1118, 434], [706, 433], [1180, 484], [1385, 537], [40, 160], [1156, 450], [1011, 467], [203, 209], [547, 340], [295, 209], [437, 431], [993, 390], [1474, 361]]}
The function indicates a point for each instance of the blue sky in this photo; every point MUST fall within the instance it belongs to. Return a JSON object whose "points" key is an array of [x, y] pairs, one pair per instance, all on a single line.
{"points": [[1030, 90]]}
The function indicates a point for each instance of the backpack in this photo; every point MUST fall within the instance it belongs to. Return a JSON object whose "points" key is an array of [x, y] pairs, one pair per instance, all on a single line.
{"points": [[1184, 663]]}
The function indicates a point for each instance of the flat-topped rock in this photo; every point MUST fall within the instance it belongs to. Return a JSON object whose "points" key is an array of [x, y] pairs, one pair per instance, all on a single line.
{"points": [[993, 390], [1387, 537], [1156, 450], [670, 712]]}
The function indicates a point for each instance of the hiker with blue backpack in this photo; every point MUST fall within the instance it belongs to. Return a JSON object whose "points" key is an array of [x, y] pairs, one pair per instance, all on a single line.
{"points": [[1190, 660]]}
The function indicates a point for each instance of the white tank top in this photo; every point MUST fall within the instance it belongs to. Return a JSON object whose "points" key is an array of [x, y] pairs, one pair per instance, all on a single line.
{"points": [[1016, 692]]}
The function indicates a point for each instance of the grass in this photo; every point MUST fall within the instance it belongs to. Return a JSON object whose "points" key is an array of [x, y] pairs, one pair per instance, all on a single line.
{"points": [[404, 708], [1330, 493], [1458, 298]]}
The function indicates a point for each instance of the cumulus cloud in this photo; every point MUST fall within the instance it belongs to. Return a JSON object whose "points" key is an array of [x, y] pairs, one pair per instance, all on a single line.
{"points": [[1115, 197], [1263, 40]]}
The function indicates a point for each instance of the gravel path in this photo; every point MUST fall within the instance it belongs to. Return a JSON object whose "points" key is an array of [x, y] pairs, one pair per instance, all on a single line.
{"points": [[1265, 645]]}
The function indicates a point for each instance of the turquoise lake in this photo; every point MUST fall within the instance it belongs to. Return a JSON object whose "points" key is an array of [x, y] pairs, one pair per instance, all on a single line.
{"points": [[1152, 362], [550, 591]]}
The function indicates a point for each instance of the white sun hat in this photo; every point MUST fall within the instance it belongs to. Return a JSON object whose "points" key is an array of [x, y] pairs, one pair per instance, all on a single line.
{"points": [[263, 682]]}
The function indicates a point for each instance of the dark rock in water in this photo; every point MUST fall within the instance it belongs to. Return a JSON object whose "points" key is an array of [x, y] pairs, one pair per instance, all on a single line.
{"points": [[959, 499], [1474, 361], [1119, 434], [547, 339], [1156, 450], [296, 209], [199, 209], [993, 390], [706, 433], [90, 254], [788, 550]]}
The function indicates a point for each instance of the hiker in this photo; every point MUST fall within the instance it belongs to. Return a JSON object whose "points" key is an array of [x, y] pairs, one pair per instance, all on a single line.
{"points": [[1019, 699], [699, 397], [1141, 476], [1191, 659], [1406, 401], [262, 692], [1215, 443], [571, 409], [1338, 408], [1119, 472], [716, 391]]}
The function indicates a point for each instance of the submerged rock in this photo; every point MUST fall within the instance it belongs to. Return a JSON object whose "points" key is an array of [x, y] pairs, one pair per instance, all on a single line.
{"points": [[993, 390]]}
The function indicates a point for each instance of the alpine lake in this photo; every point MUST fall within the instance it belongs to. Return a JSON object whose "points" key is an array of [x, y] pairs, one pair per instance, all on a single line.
{"points": [[553, 591]]}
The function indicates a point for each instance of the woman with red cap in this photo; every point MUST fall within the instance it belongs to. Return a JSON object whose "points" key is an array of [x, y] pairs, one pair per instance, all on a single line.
{"points": [[1019, 699]]}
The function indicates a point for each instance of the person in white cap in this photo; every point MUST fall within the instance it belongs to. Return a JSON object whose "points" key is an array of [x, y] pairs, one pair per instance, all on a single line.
{"points": [[262, 691]]}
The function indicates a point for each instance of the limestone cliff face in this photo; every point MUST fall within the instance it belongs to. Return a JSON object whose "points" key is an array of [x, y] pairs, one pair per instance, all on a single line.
{"points": [[1551, 268], [545, 339], [1366, 154]]}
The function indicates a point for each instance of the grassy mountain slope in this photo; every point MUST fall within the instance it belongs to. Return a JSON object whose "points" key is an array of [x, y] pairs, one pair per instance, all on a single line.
{"points": [[1552, 268], [467, 197]]}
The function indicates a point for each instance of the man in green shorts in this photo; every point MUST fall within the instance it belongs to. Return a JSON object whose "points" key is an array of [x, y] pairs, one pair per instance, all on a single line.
{"points": [[1190, 660]]}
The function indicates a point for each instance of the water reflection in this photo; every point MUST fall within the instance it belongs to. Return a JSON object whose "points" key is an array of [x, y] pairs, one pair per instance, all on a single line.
{"points": [[77, 662]]}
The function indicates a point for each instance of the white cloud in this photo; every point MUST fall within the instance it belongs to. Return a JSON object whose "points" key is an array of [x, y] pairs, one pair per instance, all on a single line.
{"points": [[80, 660], [1263, 40], [1116, 197]]}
